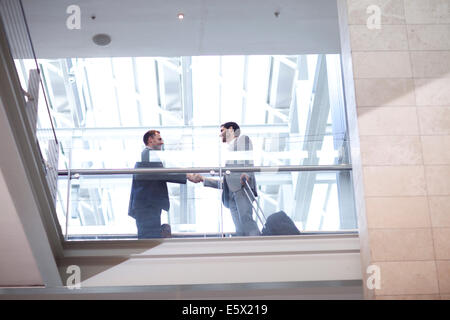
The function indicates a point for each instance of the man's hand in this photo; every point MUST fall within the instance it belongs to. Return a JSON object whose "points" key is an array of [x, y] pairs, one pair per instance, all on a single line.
{"points": [[194, 177]]}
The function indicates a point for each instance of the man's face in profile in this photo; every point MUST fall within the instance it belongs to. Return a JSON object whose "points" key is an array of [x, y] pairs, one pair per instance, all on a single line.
{"points": [[155, 142], [226, 134]]}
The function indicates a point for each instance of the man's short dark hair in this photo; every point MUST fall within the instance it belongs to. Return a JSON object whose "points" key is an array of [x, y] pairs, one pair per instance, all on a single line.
{"points": [[148, 134], [234, 125]]}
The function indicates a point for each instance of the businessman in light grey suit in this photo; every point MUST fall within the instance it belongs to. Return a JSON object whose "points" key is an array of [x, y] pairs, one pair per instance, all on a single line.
{"points": [[233, 195]]}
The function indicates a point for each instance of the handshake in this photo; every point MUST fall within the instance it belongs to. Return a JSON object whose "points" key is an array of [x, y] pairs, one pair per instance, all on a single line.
{"points": [[194, 177]]}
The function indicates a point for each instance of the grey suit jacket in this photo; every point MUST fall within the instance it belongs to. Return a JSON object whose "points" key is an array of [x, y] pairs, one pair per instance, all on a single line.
{"points": [[150, 190], [232, 182]]}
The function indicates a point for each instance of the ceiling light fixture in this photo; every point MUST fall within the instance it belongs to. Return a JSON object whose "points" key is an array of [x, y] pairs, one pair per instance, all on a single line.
{"points": [[180, 16]]}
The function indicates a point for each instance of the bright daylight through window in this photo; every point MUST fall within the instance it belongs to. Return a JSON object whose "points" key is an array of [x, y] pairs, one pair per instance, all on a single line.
{"points": [[291, 107]]}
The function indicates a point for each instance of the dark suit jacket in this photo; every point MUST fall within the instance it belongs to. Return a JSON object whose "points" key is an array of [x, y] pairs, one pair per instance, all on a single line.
{"points": [[150, 190]]}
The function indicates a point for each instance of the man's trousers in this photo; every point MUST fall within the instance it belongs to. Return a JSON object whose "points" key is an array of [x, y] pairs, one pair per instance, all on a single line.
{"points": [[148, 223]]}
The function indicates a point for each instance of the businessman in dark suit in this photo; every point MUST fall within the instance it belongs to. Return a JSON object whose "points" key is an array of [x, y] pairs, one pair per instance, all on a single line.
{"points": [[149, 195]]}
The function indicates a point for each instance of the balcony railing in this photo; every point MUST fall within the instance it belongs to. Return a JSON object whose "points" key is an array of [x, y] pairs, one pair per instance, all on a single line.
{"points": [[97, 201]]}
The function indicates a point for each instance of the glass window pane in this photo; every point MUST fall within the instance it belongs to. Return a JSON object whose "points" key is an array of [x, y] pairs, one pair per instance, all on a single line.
{"points": [[289, 106]]}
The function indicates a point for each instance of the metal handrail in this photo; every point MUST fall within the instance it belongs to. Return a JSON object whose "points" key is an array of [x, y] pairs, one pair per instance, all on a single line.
{"points": [[31, 46], [211, 170]]}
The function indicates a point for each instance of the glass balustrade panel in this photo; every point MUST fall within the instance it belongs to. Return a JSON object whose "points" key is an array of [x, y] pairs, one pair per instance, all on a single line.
{"points": [[315, 201]]}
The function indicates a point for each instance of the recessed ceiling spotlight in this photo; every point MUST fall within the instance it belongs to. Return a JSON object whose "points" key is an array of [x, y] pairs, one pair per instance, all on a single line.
{"points": [[180, 16], [101, 39]]}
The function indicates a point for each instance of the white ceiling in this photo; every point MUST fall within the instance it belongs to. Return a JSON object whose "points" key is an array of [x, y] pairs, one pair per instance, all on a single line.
{"points": [[210, 27]]}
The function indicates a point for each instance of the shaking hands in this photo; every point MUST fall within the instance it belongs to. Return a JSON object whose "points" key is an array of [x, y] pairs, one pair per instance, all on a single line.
{"points": [[194, 177]]}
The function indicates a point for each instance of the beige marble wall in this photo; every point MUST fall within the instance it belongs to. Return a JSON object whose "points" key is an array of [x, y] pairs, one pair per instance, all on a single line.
{"points": [[398, 94]]}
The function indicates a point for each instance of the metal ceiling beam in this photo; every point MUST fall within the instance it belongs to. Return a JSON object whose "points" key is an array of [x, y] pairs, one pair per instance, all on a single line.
{"points": [[316, 127], [186, 208], [244, 90], [186, 90], [262, 130]]}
